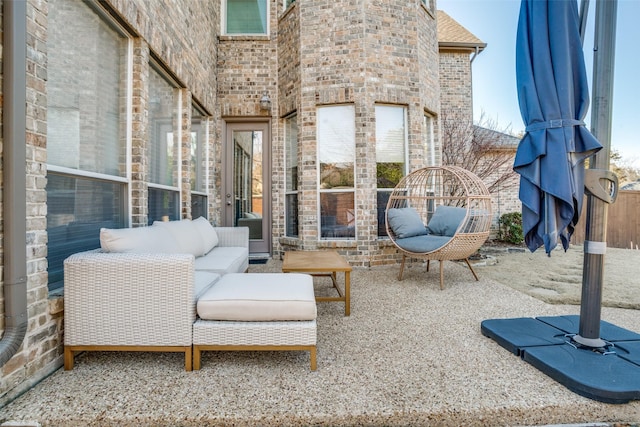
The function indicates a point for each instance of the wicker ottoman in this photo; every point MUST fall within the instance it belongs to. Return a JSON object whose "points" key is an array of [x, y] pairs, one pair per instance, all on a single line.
{"points": [[257, 311]]}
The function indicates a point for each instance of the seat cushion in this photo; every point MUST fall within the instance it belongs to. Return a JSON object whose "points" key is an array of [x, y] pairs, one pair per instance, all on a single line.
{"points": [[224, 260], [405, 222], [423, 244], [203, 281], [259, 297]]}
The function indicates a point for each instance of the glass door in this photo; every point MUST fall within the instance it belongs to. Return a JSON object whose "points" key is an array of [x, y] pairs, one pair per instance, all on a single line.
{"points": [[248, 182]]}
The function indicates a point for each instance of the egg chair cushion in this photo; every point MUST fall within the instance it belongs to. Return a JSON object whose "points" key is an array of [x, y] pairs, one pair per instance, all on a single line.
{"points": [[446, 220], [423, 244], [405, 222]]}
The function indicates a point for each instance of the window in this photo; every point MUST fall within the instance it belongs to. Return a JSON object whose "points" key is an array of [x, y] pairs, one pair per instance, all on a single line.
{"points": [[164, 143], [430, 150], [429, 4], [86, 124], [198, 164], [245, 17], [336, 157], [291, 175], [391, 142], [288, 3]]}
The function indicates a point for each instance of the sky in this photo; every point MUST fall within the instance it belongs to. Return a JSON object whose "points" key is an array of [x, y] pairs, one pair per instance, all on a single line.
{"points": [[494, 82]]}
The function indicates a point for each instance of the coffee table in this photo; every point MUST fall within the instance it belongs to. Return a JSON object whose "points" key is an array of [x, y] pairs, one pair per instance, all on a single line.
{"points": [[322, 263]]}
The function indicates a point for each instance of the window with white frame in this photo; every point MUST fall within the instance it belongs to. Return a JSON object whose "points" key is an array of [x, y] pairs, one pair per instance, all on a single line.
{"points": [[391, 153], [336, 159], [87, 80], [245, 17], [164, 149], [198, 163], [291, 175], [430, 149]]}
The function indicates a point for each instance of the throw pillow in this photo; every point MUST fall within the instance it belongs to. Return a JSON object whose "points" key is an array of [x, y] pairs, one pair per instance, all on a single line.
{"points": [[140, 239], [405, 222], [187, 236], [207, 232], [445, 220]]}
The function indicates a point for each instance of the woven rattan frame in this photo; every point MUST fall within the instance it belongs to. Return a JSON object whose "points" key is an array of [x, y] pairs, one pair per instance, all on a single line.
{"points": [[212, 335], [426, 189]]}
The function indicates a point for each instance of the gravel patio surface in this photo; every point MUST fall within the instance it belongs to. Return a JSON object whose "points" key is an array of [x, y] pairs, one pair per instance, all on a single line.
{"points": [[410, 354]]}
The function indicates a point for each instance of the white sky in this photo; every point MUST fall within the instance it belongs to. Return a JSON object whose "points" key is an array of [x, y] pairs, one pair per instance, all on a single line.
{"points": [[494, 82]]}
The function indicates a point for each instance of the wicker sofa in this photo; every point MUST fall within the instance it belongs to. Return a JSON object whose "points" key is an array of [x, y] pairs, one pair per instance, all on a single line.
{"points": [[139, 291]]}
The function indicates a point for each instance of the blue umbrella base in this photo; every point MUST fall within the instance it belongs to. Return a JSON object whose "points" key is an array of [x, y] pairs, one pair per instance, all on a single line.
{"points": [[610, 374]]}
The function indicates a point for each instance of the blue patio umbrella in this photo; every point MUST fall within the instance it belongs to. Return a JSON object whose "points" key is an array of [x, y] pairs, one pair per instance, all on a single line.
{"points": [[554, 98], [552, 88]]}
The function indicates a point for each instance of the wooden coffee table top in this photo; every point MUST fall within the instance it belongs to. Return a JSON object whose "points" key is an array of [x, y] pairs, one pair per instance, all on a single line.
{"points": [[314, 261]]}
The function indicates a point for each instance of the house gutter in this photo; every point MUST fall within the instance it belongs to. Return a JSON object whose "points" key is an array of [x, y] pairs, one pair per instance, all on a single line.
{"points": [[14, 191], [463, 46]]}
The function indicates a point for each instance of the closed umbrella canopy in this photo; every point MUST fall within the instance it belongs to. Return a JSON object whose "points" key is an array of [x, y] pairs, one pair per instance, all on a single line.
{"points": [[554, 98]]}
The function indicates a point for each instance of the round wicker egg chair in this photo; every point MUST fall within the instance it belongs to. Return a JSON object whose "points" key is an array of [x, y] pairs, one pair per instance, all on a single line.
{"points": [[439, 213]]}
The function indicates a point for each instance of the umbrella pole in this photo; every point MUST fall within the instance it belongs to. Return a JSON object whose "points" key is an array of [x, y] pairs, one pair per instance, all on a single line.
{"points": [[596, 219]]}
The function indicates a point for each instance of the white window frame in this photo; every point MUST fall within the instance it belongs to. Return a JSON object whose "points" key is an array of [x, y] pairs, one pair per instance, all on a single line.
{"points": [[405, 149], [430, 146], [176, 131], [292, 117], [223, 23], [351, 190]]}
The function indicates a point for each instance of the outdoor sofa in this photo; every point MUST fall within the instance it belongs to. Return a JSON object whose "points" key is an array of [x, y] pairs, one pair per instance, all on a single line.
{"points": [[140, 290]]}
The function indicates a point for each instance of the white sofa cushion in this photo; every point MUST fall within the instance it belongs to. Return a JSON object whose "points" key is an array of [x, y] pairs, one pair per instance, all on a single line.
{"points": [[207, 233], [140, 239], [259, 297], [203, 281], [186, 234], [224, 260]]}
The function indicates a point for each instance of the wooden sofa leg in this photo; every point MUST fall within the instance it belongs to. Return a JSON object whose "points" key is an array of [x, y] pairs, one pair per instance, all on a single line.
{"points": [[196, 357], [68, 359], [188, 359], [401, 267], [312, 354], [441, 274], [471, 268]]}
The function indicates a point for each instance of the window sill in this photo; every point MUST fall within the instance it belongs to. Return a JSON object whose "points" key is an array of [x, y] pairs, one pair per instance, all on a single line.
{"points": [[245, 37]]}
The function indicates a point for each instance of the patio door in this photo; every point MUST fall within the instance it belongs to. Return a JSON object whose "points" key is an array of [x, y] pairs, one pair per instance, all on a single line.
{"points": [[247, 182]]}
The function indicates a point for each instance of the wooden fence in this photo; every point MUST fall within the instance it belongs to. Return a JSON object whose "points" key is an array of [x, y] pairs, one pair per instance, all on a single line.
{"points": [[623, 222]]}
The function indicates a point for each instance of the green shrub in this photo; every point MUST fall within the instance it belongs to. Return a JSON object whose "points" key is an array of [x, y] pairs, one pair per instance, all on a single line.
{"points": [[510, 228]]}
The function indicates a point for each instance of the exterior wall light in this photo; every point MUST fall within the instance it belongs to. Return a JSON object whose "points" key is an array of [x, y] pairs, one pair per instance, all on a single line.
{"points": [[265, 102]]}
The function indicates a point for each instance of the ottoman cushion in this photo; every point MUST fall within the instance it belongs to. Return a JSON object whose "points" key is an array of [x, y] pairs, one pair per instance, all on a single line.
{"points": [[259, 297]]}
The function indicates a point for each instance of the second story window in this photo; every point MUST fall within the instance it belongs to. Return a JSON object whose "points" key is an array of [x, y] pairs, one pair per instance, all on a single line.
{"points": [[245, 17]]}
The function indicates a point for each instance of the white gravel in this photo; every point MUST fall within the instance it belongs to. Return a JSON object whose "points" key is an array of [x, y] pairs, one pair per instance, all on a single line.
{"points": [[409, 354]]}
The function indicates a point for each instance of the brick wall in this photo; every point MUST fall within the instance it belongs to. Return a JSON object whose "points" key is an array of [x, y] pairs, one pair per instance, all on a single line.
{"points": [[319, 52], [349, 54], [189, 52]]}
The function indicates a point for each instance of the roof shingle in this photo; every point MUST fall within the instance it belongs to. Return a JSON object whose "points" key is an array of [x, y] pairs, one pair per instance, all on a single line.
{"points": [[453, 35]]}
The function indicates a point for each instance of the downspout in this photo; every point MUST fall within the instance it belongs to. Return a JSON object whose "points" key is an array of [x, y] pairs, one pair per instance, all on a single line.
{"points": [[476, 53], [14, 178]]}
